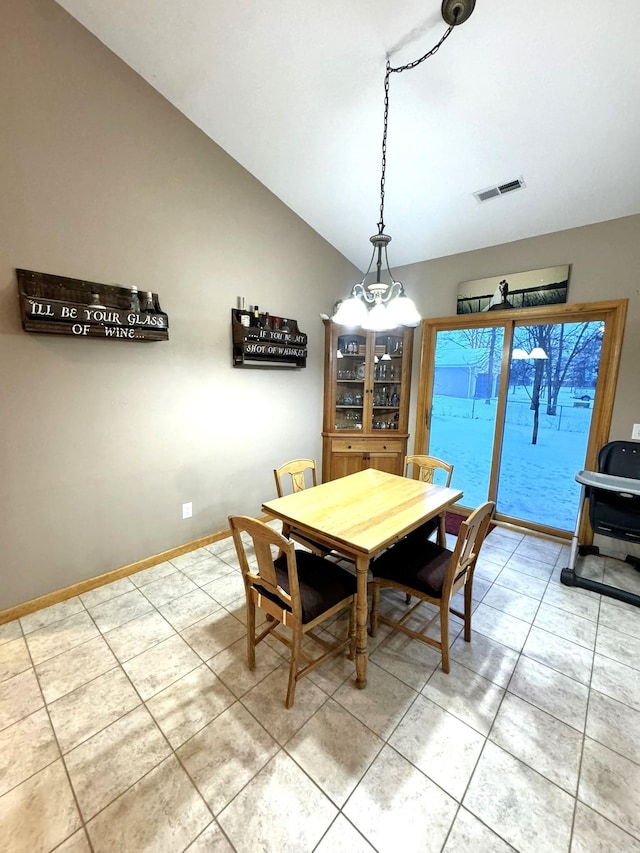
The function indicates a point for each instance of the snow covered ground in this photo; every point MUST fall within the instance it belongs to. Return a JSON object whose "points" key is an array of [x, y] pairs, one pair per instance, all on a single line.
{"points": [[537, 481]]}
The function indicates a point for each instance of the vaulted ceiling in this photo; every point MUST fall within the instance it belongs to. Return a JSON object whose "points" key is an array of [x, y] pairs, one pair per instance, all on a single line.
{"points": [[293, 90]]}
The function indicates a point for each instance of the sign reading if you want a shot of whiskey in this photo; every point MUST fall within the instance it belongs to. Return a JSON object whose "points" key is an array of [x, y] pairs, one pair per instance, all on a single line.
{"points": [[58, 305]]}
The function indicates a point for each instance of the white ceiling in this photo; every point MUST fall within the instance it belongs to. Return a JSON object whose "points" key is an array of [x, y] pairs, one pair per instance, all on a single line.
{"points": [[293, 90]]}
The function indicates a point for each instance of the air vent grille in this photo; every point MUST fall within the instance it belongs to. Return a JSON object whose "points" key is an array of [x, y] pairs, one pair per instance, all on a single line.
{"points": [[500, 189]]}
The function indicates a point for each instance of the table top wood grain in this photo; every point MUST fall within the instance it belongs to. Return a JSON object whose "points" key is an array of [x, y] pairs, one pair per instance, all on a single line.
{"points": [[363, 512]]}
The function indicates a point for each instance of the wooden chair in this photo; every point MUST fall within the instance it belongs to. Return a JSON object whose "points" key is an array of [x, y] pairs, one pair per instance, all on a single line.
{"points": [[301, 471], [295, 589], [425, 569], [426, 467], [296, 469]]}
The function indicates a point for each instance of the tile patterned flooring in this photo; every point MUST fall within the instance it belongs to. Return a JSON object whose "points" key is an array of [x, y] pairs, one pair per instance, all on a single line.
{"points": [[130, 722]]}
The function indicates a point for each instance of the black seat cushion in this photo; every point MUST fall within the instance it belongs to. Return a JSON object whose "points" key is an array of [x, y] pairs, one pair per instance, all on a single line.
{"points": [[321, 582], [425, 531], [414, 562]]}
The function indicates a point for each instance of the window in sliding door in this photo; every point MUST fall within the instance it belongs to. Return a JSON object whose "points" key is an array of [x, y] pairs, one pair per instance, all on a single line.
{"points": [[519, 403], [547, 421], [464, 405]]}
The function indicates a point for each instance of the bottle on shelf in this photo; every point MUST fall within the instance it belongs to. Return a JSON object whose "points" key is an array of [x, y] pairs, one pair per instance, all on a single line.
{"points": [[395, 399], [135, 299], [146, 303], [256, 317], [243, 315], [266, 323]]}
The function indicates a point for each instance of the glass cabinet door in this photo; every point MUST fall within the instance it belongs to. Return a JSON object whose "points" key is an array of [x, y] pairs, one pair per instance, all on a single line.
{"points": [[351, 382], [387, 381]]}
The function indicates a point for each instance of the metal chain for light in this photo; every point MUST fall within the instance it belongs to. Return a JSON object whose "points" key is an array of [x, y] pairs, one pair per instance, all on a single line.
{"points": [[378, 293], [390, 71]]}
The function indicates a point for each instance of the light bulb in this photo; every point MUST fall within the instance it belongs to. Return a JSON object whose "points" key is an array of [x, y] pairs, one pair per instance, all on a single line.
{"points": [[403, 312], [352, 312], [378, 319]]}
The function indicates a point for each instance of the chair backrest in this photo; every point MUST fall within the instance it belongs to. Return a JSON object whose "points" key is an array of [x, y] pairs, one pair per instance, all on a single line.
{"points": [[261, 583], [620, 459], [473, 531], [296, 470], [427, 466], [616, 514]]}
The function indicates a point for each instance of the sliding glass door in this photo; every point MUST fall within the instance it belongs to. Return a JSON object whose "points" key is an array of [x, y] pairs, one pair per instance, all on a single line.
{"points": [[519, 403], [548, 411], [464, 405]]}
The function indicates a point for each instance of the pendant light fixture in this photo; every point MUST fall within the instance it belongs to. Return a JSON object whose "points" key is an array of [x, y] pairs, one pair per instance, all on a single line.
{"points": [[380, 305]]}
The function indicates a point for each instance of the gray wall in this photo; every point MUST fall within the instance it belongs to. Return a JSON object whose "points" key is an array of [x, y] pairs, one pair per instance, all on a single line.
{"points": [[605, 264], [102, 441]]}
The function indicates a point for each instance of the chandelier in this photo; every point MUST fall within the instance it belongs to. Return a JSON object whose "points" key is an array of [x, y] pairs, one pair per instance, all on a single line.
{"points": [[382, 305]]}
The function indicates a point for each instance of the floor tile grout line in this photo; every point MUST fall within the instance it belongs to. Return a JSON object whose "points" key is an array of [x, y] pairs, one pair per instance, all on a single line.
{"points": [[142, 703], [584, 732], [54, 621], [64, 763], [520, 655], [365, 771]]}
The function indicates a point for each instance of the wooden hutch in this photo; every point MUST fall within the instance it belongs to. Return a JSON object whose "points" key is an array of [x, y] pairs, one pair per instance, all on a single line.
{"points": [[366, 400]]}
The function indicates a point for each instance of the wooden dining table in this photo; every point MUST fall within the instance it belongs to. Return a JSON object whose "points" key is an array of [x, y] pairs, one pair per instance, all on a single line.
{"points": [[360, 515]]}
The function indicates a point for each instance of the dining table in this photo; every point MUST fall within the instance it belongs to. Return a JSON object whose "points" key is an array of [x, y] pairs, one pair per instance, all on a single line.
{"points": [[360, 515]]}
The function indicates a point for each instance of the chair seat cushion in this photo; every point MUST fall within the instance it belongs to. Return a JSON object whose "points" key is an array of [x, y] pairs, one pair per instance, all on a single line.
{"points": [[425, 530], [416, 563], [322, 583]]}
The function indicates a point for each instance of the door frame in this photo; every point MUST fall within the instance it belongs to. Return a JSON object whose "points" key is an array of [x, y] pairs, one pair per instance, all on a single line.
{"points": [[612, 312]]}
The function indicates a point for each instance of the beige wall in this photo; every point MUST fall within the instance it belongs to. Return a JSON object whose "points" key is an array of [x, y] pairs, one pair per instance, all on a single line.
{"points": [[102, 441], [604, 264]]}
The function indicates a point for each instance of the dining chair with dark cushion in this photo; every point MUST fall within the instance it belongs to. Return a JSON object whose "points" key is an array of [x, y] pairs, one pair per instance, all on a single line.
{"points": [[432, 573], [296, 589], [426, 467], [297, 474], [300, 471]]}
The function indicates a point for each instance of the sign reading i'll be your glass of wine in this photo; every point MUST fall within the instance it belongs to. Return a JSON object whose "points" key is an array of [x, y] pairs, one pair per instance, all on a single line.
{"points": [[58, 305]]}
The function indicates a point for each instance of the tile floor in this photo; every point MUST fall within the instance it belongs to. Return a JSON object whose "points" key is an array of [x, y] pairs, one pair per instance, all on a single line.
{"points": [[130, 722]]}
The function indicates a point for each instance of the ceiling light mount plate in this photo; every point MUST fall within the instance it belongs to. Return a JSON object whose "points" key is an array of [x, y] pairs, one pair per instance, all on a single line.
{"points": [[456, 12]]}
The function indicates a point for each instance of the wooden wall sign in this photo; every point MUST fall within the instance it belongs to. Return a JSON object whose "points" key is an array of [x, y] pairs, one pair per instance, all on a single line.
{"points": [[256, 343], [57, 305]]}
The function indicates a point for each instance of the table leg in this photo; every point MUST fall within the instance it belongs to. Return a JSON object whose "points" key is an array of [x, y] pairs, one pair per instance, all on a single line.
{"points": [[362, 573]]}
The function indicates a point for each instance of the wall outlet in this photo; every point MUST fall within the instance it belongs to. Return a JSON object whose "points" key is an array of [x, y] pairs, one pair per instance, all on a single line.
{"points": [[635, 432], [187, 510]]}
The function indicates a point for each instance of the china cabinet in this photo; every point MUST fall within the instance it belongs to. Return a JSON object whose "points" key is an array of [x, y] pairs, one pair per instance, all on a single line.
{"points": [[366, 400]]}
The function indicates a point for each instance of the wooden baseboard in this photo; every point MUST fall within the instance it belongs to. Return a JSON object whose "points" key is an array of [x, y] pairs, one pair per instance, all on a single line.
{"points": [[108, 577]]}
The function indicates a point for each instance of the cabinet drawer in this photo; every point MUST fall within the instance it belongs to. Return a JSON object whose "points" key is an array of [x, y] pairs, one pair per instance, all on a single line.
{"points": [[367, 445]]}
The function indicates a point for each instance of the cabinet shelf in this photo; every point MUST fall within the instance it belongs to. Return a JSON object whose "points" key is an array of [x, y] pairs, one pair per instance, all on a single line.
{"points": [[378, 439]]}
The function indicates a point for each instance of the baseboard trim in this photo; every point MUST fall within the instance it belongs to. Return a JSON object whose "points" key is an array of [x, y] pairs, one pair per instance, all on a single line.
{"points": [[66, 592]]}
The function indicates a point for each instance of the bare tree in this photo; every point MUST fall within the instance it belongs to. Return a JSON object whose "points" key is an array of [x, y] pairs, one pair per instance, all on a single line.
{"points": [[565, 345]]}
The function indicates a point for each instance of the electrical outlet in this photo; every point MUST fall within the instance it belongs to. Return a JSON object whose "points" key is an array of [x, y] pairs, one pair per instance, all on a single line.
{"points": [[187, 510], [635, 432]]}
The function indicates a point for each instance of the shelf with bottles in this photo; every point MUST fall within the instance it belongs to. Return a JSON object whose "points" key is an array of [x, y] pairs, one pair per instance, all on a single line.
{"points": [[349, 418], [262, 340], [60, 305], [389, 422], [386, 395]]}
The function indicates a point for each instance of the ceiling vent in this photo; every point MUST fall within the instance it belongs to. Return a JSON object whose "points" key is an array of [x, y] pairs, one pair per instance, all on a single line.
{"points": [[500, 189]]}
